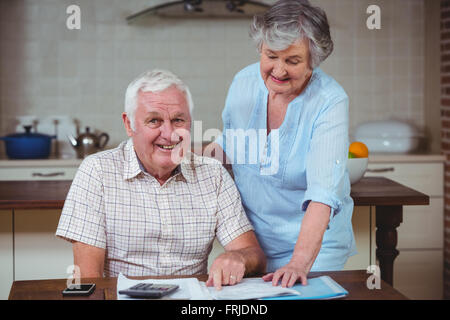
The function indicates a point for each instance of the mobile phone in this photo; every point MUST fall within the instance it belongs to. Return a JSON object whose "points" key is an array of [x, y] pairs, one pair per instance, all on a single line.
{"points": [[79, 290]]}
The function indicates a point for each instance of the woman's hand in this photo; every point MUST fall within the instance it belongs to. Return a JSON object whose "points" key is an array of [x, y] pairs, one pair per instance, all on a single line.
{"points": [[289, 274], [308, 245]]}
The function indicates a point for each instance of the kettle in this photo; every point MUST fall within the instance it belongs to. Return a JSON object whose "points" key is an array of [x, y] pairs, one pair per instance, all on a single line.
{"points": [[88, 143]]}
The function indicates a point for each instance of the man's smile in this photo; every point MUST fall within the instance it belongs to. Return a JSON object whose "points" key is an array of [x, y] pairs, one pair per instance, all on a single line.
{"points": [[167, 147]]}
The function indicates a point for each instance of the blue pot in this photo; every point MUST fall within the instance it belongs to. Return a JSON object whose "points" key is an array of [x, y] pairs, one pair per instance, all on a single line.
{"points": [[28, 145]]}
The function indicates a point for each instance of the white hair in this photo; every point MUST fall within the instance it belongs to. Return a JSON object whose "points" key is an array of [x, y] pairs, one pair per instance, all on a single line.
{"points": [[153, 81]]}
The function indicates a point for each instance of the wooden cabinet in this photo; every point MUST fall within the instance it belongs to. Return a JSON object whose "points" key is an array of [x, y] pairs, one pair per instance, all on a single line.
{"points": [[38, 253], [418, 270], [29, 248]]}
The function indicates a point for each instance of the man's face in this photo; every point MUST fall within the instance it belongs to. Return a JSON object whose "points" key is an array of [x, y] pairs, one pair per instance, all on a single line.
{"points": [[161, 120]]}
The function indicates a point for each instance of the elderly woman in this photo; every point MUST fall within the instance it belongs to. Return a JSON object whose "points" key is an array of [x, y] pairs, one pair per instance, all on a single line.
{"points": [[297, 191]]}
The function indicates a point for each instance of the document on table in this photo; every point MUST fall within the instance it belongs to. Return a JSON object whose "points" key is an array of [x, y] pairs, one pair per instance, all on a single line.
{"points": [[322, 287], [250, 288]]}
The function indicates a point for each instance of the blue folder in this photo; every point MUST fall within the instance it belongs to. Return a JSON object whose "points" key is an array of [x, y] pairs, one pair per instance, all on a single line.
{"points": [[322, 287]]}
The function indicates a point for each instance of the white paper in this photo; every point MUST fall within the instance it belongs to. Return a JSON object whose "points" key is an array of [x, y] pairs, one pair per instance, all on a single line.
{"points": [[190, 288], [250, 288]]}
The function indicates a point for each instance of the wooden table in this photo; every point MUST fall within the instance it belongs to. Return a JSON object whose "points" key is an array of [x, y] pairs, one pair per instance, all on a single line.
{"points": [[388, 198], [353, 281]]}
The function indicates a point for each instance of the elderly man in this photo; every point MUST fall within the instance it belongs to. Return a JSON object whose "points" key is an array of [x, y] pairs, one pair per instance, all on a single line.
{"points": [[150, 207]]}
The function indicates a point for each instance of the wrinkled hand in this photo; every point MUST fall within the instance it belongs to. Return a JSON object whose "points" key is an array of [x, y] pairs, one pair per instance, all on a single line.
{"points": [[289, 274], [227, 269]]}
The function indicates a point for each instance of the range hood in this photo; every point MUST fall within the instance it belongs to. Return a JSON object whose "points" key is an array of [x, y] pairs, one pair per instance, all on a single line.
{"points": [[204, 9]]}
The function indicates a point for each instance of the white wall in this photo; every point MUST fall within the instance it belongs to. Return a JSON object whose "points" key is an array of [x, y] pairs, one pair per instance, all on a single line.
{"points": [[48, 70]]}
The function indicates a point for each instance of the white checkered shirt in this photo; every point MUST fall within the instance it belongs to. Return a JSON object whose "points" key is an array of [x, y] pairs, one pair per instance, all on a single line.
{"points": [[146, 228]]}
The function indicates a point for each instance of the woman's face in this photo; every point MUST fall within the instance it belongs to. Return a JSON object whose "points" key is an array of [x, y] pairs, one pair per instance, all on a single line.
{"points": [[286, 71]]}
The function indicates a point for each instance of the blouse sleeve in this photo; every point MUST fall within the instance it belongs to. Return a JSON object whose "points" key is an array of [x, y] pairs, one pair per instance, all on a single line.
{"points": [[326, 161]]}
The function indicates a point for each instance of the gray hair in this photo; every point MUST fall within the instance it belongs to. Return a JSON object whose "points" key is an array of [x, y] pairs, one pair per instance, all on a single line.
{"points": [[153, 81], [288, 21]]}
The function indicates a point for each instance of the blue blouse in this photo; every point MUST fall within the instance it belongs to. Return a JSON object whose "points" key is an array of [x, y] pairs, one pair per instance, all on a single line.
{"points": [[304, 160]]}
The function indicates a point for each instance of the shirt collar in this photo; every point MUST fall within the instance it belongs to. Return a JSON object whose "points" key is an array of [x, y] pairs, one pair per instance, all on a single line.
{"points": [[133, 166]]}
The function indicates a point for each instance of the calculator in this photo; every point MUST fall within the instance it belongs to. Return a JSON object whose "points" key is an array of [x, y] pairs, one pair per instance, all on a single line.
{"points": [[149, 290]]}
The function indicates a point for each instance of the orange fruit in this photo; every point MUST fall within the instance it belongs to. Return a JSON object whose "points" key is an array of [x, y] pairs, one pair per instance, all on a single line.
{"points": [[359, 149]]}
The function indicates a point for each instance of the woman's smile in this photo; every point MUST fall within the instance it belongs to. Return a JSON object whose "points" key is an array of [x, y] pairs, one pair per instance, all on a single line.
{"points": [[279, 80]]}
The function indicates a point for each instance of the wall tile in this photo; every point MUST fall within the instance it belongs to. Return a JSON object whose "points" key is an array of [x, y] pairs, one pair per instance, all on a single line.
{"points": [[47, 69]]}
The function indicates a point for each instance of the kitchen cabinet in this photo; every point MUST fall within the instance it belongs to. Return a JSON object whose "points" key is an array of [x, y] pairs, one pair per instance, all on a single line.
{"points": [[28, 246], [418, 268], [38, 253], [6, 253], [45, 169]]}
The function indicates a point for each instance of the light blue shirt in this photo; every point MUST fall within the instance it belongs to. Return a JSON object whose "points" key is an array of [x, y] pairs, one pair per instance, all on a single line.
{"points": [[304, 160]]}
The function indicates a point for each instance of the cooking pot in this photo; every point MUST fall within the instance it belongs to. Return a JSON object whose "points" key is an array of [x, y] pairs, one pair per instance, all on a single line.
{"points": [[389, 136], [28, 145]]}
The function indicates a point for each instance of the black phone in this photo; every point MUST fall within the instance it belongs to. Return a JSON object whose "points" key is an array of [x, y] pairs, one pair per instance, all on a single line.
{"points": [[79, 290]]}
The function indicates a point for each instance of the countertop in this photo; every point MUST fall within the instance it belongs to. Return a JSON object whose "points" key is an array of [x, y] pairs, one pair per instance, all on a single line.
{"points": [[373, 158], [408, 158], [73, 162]]}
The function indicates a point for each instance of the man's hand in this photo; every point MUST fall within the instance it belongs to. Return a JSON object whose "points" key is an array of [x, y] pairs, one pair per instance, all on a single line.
{"points": [[227, 269], [242, 256]]}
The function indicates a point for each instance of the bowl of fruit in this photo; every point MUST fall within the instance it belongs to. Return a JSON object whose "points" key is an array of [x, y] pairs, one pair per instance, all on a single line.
{"points": [[358, 158]]}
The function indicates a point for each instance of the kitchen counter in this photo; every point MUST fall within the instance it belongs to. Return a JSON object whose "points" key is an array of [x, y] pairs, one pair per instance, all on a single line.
{"points": [[387, 196], [52, 162], [373, 158], [406, 158]]}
